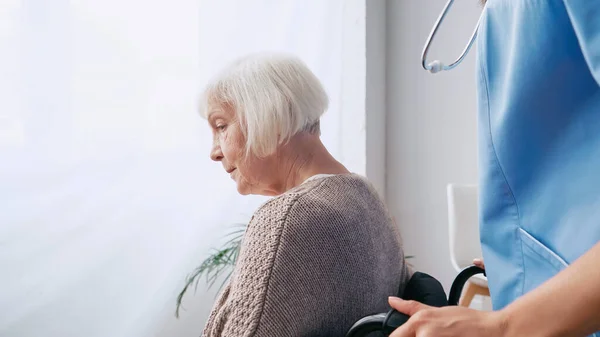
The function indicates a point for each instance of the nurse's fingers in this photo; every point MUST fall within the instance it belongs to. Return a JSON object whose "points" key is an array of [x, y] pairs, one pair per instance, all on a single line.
{"points": [[410, 308], [406, 307], [479, 263]]}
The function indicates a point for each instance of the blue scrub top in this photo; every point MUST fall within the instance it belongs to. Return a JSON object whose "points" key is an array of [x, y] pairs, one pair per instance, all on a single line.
{"points": [[539, 139]]}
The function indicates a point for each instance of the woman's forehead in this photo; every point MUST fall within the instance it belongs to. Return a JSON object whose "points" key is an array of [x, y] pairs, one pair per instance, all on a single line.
{"points": [[216, 111]]}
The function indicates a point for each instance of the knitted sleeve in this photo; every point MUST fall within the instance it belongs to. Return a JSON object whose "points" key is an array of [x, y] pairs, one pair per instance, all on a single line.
{"points": [[239, 310]]}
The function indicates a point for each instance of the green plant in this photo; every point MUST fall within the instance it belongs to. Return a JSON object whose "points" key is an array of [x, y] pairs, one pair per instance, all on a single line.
{"points": [[219, 261]]}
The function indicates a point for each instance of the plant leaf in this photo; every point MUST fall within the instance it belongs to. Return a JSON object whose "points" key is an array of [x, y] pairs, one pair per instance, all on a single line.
{"points": [[215, 264]]}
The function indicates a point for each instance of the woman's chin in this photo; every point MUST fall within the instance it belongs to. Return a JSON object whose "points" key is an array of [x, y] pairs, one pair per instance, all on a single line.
{"points": [[243, 191], [242, 188]]}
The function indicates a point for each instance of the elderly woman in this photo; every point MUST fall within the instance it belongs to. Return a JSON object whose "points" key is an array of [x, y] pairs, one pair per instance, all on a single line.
{"points": [[323, 252]]}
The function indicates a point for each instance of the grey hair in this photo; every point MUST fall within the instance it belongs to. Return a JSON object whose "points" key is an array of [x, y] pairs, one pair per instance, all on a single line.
{"points": [[274, 96]]}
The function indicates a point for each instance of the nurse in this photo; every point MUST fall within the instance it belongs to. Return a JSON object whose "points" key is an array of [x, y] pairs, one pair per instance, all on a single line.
{"points": [[538, 64]]}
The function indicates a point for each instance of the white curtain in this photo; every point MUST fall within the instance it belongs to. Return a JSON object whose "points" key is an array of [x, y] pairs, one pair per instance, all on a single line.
{"points": [[107, 194]]}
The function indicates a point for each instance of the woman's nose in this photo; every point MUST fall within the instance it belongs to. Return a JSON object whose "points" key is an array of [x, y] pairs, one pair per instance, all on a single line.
{"points": [[215, 153]]}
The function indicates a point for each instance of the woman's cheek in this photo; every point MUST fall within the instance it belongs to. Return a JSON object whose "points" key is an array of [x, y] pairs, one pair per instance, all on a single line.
{"points": [[223, 139]]}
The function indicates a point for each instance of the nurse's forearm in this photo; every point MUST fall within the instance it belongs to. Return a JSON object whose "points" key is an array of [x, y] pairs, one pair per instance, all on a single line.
{"points": [[566, 305]]}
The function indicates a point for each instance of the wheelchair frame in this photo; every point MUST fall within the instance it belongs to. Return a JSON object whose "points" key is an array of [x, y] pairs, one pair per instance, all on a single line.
{"points": [[388, 322]]}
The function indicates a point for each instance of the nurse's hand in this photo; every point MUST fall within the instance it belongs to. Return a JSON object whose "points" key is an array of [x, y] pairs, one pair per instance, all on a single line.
{"points": [[479, 263], [452, 321]]}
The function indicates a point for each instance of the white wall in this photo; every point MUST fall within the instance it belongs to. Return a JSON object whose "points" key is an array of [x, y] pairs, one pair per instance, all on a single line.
{"points": [[431, 125], [375, 93], [362, 124]]}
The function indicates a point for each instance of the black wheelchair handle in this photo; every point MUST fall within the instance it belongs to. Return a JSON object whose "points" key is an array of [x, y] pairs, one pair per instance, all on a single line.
{"points": [[366, 325], [390, 321], [460, 281], [386, 323], [393, 320]]}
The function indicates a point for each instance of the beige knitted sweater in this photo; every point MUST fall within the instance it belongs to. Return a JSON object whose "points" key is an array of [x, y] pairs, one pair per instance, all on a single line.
{"points": [[313, 261]]}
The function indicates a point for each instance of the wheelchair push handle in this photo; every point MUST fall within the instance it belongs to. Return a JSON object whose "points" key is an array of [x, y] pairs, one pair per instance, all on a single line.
{"points": [[385, 323], [433, 295], [460, 281]]}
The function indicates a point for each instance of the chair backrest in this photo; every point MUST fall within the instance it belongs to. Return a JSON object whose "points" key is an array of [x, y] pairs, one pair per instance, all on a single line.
{"points": [[463, 220], [425, 289]]}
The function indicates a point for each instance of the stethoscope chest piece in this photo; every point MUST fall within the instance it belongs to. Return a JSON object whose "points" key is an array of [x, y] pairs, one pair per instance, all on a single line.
{"points": [[436, 66]]}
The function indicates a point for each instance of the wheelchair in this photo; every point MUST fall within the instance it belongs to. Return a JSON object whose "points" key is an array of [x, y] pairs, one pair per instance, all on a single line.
{"points": [[422, 288]]}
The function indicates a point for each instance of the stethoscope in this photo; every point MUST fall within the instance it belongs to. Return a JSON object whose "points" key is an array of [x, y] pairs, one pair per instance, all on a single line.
{"points": [[437, 65]]}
